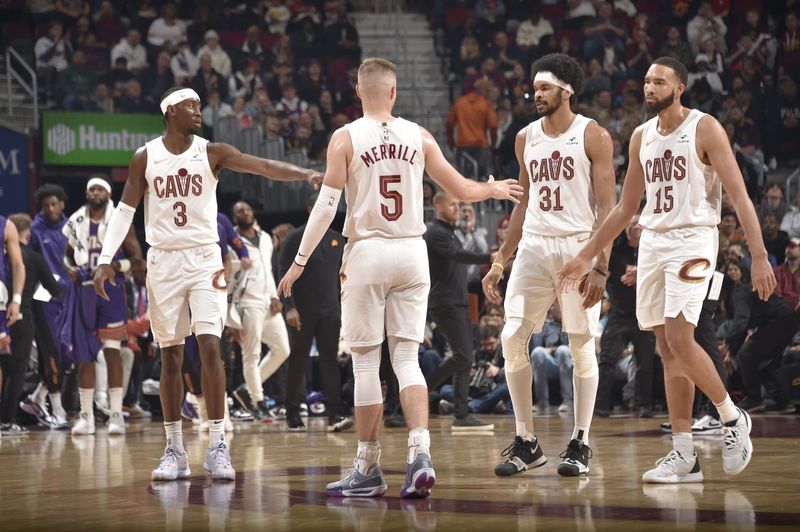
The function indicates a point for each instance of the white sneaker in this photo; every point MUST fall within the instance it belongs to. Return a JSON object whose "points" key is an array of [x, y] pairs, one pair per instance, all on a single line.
{"points": [[116, 424], [218, 462], [737, 447], [707, 426], [565, 407], [174, 464], [84, 425], [674, 469]]}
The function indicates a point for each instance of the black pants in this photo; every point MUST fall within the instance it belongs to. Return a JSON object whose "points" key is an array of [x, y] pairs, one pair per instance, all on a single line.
{"points": [[704, 335], [622, 329], [14, 366], [453, 322], [761, 354], [48, 352], [325, 329]]}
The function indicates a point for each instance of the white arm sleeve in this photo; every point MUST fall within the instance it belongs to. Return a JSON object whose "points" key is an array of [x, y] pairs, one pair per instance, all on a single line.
{"points": [[318, 222], [115, 232]]}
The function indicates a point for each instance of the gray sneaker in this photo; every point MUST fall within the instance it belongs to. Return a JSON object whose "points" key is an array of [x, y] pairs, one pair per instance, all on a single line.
{"points": [[355, 484], [737, 447], [174, 465], [420, 478], [218, 462], [470, 423]]}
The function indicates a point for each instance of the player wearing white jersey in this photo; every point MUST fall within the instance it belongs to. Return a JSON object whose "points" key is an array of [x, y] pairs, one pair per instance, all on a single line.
{"points": [[379, 161], [678, 159], [177, 175], [568, 178]]}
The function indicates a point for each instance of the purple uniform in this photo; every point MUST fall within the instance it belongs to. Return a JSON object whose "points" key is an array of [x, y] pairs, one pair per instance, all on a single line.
{"points": [[5, 340], [229, 237], [110, 317], [47, 238]]}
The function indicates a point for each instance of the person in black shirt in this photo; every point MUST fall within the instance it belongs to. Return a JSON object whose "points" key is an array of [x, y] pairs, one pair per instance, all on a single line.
{"points": [[314, 311], [22, 331], [447, 304]]}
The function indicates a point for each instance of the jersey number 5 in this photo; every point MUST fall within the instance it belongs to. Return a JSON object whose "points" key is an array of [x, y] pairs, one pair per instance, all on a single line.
{"points": [[396, 210], [180, 213]]}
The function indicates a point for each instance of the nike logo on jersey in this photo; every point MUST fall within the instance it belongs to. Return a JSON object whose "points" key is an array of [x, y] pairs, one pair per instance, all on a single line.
{"points": [[649, 142], [159, 161]]}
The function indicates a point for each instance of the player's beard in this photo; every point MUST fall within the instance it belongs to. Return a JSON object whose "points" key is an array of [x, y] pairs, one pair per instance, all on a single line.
{"points": [[550, 109], [660, 105], [246, 224], [97, 204]]}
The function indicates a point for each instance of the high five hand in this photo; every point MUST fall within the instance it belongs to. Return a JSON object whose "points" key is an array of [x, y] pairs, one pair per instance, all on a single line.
{"points": [[507, 189]]}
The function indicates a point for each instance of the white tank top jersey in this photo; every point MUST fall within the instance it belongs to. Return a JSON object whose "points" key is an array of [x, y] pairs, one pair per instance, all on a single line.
{"points": [[180, 203], [561, 197], [383, 190], [681, 191]]}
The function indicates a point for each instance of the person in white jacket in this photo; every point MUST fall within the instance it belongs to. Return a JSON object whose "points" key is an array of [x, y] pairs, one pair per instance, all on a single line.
{"points": [[220, 60], [254, 301]]}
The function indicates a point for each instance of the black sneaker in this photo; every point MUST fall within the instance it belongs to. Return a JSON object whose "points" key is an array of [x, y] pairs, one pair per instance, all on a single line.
{"points": [[522, 455], [339, 423], [242, 396], [12, 429], [294, 423], [470, 423], [575, 461], [262, 411]]}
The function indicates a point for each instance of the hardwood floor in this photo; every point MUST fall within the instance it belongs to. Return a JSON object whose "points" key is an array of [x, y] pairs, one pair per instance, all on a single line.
{"points": [[54, 481]]}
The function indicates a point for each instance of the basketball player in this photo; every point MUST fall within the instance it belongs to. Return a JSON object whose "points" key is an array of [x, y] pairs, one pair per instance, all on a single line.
{"points": [[380, 160], [107, 318], [10, 262], [678, 159], [177, 175], [568, 179]]}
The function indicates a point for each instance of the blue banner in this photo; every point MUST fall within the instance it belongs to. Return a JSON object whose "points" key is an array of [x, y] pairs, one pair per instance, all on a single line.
{"points": [[13, 171]]}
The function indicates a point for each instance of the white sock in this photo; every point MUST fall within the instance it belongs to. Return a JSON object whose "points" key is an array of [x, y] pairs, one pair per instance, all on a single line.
{"points": [[39, 393], [216, 432], [520, 388], [727, 410], [367, 455], [86, 396], [115, 400], [682, 442], [419, 441], [585, 395], [174, 430], [57, 407]]}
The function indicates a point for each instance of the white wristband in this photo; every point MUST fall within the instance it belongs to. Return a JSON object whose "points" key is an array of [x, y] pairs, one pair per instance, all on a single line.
{"points": [[124, 265], [17, 298]]}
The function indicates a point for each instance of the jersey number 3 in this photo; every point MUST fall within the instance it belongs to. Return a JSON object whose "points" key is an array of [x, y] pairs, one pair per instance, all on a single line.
{"points": [[180, 213], [395, 210]]}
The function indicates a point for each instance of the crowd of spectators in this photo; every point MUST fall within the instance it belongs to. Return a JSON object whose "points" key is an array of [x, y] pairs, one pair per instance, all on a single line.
{"points": [[284, 67]]}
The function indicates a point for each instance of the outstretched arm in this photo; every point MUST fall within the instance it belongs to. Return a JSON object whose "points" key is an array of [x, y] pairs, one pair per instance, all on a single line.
{"points": [[226, 156], [340, 151], [459, 186], [713, 142]]}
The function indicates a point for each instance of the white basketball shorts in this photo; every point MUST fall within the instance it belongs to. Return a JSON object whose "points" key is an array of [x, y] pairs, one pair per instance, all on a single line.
{"points": [[187, 293], [385, 285], [673, 272]]}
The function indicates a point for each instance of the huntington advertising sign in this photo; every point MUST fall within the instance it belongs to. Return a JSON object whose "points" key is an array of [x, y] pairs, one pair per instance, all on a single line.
{"points": [[96, 139]]}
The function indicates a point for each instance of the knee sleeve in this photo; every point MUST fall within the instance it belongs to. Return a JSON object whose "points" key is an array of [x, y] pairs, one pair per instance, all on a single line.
{"points": [[515, 338], [112, 344], [366, 373], [583, 356], [405, 362]]}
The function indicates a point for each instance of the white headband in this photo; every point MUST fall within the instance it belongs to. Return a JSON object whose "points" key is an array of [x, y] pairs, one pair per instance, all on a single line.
{"points": [[177, 97], [548, 77], [98, 182]]}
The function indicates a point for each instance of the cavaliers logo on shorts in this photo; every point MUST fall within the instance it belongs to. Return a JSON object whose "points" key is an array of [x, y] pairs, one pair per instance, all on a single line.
{"points": [[685, 274], [218, 280]]}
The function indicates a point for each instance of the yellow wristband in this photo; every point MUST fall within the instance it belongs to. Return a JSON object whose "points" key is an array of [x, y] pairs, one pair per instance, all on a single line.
{"points": [[498, 265]]}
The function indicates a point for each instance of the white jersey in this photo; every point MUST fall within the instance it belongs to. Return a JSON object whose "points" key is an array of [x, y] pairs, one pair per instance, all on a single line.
{"points": [[681, 191], [384, 180], [561, 197], [180, 203]]}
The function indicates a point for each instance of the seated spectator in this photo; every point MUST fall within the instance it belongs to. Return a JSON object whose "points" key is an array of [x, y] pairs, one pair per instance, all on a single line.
{"points": [[597, 80], [312, 82], [130, 47], [307, 41], [84, 38], [260, 107], [69, 12], [791, 220], [101, 101], [706, 23], [214, 109], [252, 50], [200, 24], [491, 15], [788, 60], [716, 62], [245, 81], [487, 72], [131, 101], [108, 25], [276, 16], [167, 31], [118, 77], [52, 52], [184, 64], [773, 203], [220, 60], [342, 39], [603, 30], [77, 82], [532, 30], [326, 108], [468, 60], [729, 230], [639, 54], [281, 51], [775, 240], [207, 79], [785, 119], [240, 113], [600, 109], [504, 52], [290, 103], [551, 359], [580, 10], [703, 98], [159, 79], [704, 70], [788, 274], [746, 134], [676, 47]]}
